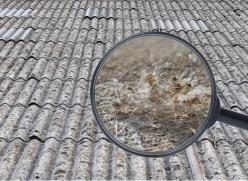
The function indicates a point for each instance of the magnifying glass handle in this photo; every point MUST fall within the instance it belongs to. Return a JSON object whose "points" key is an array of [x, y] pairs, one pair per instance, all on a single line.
{"points": [[233, 118]]}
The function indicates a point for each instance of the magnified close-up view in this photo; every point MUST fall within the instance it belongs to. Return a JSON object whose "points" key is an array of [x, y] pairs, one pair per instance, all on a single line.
{"points": [[152, 93]]}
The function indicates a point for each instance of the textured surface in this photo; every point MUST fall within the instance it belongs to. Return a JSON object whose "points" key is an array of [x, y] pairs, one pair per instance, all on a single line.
{"points": [[47, 56]]}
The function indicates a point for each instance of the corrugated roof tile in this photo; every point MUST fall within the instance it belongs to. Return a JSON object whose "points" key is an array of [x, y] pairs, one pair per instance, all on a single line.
{"points": [[177, 25], [3, 30], [183, 35], [88, 12], [186, 25], [214, 171], [193, 38], [180, 14], [202, 38], [172, 14], [16, 66], [238, 76], [8, 34], [194, 25], [12, 154], [153, 25], [17, 34], [202, 26], [144, 25], [161, 24], [169, 25], [4, 12], [103, 13], [229, 161]]}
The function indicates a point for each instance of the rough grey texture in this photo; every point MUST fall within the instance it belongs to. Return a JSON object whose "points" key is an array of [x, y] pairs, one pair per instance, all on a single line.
{"points": [[47, 129]]}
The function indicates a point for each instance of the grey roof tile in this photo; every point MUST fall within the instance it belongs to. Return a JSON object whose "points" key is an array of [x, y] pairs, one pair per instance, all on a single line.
{"points": [[232, 54], [188, 14], [26, 13], [240, 94], [161, 24], [194, 25], [49, 159], [157, 14], [195, 14], [169, 25], [96, 12], [243, 68], [177, 25], [214, 171], [172, 14], [4, 12], [212, 54], [238, 76], [186, 25], [144, 25], [202, 38], [11, 12], [4, 109], [223, 56], [77, 23], [88, 12], [111, 24], [110, 13], [221, 39], [230, 161], [14, 70], [153, 24], [226, 76], [202, 25], [136, 24], [183, 35], [118, 13], [228, 95], [6, 49], [140, 9], [119, 24], [17, 34], [3, 30], [13, 149], [193, 38]]}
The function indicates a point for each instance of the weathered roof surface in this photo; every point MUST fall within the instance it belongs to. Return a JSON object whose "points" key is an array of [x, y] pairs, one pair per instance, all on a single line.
{"points": [[48, 50]]}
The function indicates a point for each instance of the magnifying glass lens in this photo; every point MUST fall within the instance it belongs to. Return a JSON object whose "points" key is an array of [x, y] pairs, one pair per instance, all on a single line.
{"points": [[152, 93]]}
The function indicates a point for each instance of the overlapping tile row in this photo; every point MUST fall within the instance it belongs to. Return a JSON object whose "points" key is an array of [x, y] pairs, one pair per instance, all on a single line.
{"points": [[49, 50], [101, 160], [75, 44], [56, 92], [61, 123], [231, 60], [15, 13], [85, 160], [50, 69], [15, 34], [224, 160], [46, 13], [44, 82]]}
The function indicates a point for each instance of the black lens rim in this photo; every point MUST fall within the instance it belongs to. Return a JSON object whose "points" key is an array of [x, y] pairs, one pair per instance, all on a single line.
{"points": [[187, 143]]}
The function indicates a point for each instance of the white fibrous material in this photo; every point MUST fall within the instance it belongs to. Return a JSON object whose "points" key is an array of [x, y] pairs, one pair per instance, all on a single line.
{"points": [[153, 102]]}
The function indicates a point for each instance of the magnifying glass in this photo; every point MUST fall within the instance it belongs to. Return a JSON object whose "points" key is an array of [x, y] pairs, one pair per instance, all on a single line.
{"points": [[153, 94]]}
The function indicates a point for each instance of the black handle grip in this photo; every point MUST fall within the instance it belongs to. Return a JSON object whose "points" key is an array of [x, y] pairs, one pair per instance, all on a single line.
{"points": [[233, 118]]}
